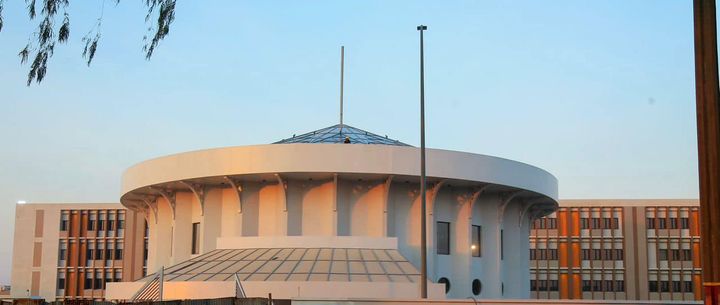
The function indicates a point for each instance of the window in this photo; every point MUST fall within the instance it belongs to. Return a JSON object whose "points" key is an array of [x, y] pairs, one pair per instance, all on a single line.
{"points": [[61, 281], [98, 282], [615, 223], [597, 254], [101, 224], [619, 254], [586, 285], [675, 254], [64, 220], [650, 223], [607, 223], [595, 223], [119, 251], [443, 238], [684, 223], [663, 254], [118, 275], [653, 286], [196, 238], [620, 286], [91, 222], [502, 245], [586, 254], [109, 251], [88, 281], [542, 285], [532, 254], [552, 254], [662, 223], [111, 225], [609, 285], [687, 255], [444, 280], [533, 285], [552, 223], [476, 246], [608, 254], [477, 287], [664, 286], [62, 255], [673, 223], [89, 254], [688, 286], [540, 254], [553, 285], [584, 223], [676, 286], [99, 252], [597, 285]]}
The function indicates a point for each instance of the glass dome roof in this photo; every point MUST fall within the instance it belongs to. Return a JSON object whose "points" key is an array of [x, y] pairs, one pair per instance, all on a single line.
{"points": [[341, 133]]}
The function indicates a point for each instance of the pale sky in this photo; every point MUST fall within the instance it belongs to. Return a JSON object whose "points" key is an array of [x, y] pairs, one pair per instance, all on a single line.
{"points": [[600, 94]]}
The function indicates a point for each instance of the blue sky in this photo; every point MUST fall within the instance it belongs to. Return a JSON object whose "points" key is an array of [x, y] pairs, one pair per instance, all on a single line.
{"points": [[601, 94]]}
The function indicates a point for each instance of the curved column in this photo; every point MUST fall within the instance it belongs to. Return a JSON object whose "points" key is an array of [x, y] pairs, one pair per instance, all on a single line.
{"points": [[169, 198], [387, 217], [199, 191], [430, 229], [516, 267], [237, 190]]}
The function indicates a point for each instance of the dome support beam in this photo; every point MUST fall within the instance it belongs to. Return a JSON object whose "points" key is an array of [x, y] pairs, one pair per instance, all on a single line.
{"points": [[200, 191], [237, 190], [386, 199], [148, 201], [169, 196], [505, 200], [526, 208], [475, 197], [283, 191]]}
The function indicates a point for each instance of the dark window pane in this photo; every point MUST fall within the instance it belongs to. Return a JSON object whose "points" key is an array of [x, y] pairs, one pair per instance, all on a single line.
{"points": [[443, 238], [195, 238], [684, 223], [653, 286], [476, 241], [650, 223], [663, 254]]}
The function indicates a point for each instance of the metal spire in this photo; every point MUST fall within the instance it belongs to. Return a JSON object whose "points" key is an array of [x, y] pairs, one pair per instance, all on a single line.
{"points": [[342, 75]]}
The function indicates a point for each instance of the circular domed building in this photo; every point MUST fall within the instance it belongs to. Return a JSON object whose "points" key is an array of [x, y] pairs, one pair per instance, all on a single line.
{"points": [[335, 213]]}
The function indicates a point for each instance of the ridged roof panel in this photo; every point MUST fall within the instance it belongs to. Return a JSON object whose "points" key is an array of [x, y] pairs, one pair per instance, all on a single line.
{"points": [[341, 133]]}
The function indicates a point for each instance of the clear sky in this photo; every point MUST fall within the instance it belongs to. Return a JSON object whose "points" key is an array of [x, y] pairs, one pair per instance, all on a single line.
{"points": [[600, 94]]}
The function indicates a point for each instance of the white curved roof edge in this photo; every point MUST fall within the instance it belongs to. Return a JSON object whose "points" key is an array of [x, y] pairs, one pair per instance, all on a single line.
{"points": [[352, 242], [338, 158]]}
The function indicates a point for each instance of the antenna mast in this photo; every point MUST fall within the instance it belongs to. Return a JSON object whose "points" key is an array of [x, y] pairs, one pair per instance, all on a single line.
{"points": [[342, 75]]}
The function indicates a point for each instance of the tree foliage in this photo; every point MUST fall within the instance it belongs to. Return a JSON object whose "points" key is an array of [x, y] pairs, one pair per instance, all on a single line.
{"points": [[54, 28]]}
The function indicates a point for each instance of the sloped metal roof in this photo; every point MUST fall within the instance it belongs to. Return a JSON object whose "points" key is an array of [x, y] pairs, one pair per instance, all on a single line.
{"points": [[339, 134], [296, 264]]}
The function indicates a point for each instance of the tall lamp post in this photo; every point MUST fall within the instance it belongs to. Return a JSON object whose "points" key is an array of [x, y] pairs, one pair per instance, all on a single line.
{"points": [[423, 220]]}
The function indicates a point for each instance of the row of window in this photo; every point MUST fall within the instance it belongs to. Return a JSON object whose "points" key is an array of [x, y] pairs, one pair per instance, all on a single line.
{"points": [[603, 285], [543, 285], [443, 239], [600, 223], [603, 254], [675, 254], [94, 224], [543, 254], [662, 223], [93, 282], [114, 251], [545, 223], [64, 225], [664, 286]]}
